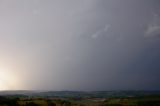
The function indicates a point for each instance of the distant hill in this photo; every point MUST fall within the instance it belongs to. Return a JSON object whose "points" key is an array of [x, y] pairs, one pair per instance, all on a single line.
{"points": [[84, 94]]}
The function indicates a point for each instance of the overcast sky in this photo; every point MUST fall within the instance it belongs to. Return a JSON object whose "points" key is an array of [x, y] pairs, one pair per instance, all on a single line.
{"points": [[80, 44]]}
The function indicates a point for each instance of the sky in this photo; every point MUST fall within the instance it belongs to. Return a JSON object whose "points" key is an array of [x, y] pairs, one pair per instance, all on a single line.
{"points": [[79, 45]]}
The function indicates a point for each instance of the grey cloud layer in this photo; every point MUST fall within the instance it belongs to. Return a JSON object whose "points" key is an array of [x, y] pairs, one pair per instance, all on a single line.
{"points": [[82, 44]]}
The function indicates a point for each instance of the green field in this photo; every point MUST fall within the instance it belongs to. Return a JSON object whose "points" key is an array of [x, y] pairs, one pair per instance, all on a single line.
{"points": [[82, 99]]}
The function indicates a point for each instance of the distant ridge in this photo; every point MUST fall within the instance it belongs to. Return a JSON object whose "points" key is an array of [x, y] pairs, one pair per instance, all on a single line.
{"points": [[96, 94]]}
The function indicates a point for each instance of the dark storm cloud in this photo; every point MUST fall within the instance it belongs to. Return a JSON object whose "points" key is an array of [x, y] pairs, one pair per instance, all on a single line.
{"points": [[83, 45], [121, 57]]}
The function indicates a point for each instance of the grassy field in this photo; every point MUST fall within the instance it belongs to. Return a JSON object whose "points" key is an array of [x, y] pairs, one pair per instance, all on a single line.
{"points": [[81, 99]]}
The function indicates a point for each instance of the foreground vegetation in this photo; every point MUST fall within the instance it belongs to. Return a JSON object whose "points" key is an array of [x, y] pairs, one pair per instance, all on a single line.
{"points": [[79, 100]]}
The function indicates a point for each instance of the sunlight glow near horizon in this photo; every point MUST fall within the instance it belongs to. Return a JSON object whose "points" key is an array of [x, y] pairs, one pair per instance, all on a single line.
{"points": [[8, 80]]}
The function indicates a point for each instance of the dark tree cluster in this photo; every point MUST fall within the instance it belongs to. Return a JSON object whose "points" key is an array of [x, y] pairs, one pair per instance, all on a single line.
{"points": [[8, 102]]}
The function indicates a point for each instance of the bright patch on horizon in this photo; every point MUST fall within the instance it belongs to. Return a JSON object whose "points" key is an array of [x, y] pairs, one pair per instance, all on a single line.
{"points": [[8, 80]]}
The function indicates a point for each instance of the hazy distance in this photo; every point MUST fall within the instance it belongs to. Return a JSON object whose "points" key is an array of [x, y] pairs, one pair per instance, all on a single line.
{"points": [[79, 45]]}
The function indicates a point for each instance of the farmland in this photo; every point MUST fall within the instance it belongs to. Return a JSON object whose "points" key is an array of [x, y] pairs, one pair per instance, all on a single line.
{"points": [[79, 98]]}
